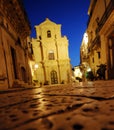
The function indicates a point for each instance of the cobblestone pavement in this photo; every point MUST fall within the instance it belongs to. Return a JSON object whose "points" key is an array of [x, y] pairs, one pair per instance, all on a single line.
{"points": [[76, 106]]}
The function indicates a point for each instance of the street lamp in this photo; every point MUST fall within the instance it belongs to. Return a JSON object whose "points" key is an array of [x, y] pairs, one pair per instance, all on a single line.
{"points": [[36, 66]]}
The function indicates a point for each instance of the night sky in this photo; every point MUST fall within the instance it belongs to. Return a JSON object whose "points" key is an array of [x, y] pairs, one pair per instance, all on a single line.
{"points": [[71, 14]]}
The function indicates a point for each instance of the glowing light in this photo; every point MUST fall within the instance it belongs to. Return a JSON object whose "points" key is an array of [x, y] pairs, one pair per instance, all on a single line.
{"points": [[36, 66], [77, 72], [89, 69]]}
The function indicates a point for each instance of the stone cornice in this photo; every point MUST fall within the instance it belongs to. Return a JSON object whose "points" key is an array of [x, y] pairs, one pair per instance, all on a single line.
{"points": [[14, 12]]}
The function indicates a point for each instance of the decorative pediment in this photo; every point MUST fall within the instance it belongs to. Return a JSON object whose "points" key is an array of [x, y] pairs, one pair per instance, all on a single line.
{"points": [[48, 22]]}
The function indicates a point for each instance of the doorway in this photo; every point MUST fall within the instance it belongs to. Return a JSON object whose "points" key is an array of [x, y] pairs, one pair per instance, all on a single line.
{"points": [[13, 55], [54, 79], [111, 59], [23, 73]]}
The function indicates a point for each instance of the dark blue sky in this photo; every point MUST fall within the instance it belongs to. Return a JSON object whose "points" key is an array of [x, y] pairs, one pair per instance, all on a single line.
{"points": [[71, 14]]}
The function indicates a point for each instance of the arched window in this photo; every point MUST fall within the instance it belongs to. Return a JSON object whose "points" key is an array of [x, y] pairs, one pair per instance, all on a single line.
{"points": [[51, 55], [48, 33]]}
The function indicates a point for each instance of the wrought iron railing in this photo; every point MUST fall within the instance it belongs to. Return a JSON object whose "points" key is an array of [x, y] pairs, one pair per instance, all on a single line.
{"points": [[105, 16], [96, 41]]}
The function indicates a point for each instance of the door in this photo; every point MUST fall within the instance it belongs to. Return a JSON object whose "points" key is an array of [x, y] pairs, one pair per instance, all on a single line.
{"points": [[23, 73], [54, 79], [13, 54]]}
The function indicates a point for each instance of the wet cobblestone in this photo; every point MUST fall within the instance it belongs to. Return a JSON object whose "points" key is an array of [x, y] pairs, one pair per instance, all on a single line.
{"points": [[76, 106]]}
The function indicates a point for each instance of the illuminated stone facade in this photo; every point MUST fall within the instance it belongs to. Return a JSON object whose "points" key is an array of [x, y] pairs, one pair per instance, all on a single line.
{"points": [[101, 35], [14, 30], [51, 54], [84, 58], [84, 49]]}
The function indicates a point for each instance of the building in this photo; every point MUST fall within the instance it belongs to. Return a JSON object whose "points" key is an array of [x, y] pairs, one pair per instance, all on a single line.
{"points": [[100, 30], [77, 73], [84, 58], [14, 30], [51, 54], [31, 60], [84, 49]]}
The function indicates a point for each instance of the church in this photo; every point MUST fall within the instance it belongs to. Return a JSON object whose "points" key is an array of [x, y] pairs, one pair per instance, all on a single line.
{"points": [[51, 54]]}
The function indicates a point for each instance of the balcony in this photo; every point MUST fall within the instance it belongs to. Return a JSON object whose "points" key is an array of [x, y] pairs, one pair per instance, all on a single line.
{"points": [[105, 16], [96, 42]]}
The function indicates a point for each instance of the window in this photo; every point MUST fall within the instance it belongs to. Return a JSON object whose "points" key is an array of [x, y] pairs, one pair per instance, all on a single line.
{"points": [[51, 55], [99, 55], [93, 59], [40, 37], [48, 33], [18, 42], [30, 48], [7, 26]]}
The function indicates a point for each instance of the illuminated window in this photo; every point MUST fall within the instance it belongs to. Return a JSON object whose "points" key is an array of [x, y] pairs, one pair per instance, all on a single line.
{"points": [[48, 33], [51, 55]]}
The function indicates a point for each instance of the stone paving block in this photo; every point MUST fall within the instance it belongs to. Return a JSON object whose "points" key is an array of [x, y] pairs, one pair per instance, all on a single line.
{"points": [[84, 106]]}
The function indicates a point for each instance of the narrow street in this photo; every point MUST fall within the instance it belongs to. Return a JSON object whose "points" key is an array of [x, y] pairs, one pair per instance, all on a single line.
{"points": [[76, 106]]}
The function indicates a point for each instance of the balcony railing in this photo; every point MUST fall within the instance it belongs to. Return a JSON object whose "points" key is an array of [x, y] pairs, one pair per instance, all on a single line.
{"points": [[105, 16], [96, 41]]}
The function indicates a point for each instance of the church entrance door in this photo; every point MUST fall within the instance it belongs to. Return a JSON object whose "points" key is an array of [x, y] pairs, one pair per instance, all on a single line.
{"points": [[54, 79]]}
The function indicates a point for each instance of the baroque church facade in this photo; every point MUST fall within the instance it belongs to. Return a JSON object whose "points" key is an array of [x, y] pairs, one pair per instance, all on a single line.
{"points": [[51, 54]]}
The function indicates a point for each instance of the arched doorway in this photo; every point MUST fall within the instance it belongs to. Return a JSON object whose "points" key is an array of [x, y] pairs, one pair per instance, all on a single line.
{"points": [[54, 79]]}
